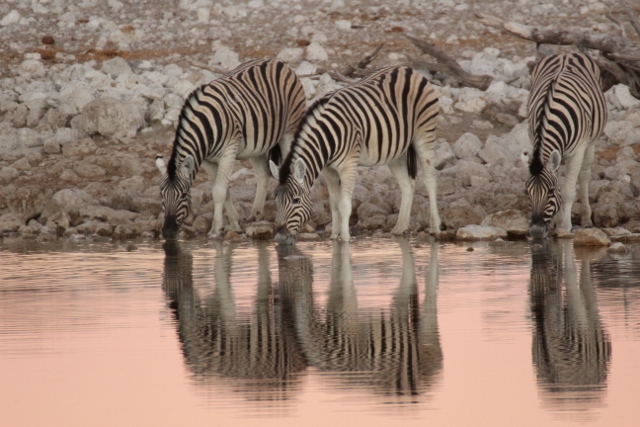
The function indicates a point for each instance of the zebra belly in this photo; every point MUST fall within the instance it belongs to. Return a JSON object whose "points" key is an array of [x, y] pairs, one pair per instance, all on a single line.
{"points": [[370, 157]]}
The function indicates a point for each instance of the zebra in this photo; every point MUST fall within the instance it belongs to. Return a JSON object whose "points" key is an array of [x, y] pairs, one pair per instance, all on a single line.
{"points": [[256, 353], [394, 352], [566, 112], [249, 113], [388, 118], [571, 350]]}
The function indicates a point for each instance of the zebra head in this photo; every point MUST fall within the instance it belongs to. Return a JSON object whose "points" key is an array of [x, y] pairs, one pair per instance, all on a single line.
{"points": [[293, 202], [545, 199], [176, 198]]}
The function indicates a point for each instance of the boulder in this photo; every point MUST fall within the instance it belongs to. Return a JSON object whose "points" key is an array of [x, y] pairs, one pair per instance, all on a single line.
{"points": [[109, 117], [590, 237], [467, 146], [261, 230], [513, 221]]}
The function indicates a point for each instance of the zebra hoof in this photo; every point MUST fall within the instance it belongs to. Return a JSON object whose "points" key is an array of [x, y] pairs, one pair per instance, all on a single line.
{"points": [[398, 232], [216, 236]]}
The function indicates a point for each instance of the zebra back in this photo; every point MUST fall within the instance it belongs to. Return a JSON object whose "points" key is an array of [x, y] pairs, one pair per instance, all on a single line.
{"points": [[377, 117], [256, 103], [566, 106]]}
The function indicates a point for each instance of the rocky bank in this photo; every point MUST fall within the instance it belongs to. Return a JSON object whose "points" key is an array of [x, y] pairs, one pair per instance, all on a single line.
{"points": [[90, 92]]}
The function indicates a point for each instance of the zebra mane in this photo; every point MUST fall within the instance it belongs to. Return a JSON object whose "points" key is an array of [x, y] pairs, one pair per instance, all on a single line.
{"points": [[172, 167], [285, 169]]}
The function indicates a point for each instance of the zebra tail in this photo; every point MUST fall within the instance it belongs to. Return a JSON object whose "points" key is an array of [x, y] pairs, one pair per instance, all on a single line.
{"points": [[412, 162], [275, 154]]}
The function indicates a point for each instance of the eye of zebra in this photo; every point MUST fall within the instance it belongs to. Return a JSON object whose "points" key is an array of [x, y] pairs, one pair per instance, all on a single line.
{"points": [[296, 200]]}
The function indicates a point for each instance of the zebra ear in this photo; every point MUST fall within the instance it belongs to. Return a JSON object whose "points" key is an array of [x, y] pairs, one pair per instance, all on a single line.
{"points": [[187, 166], [554, 161], [162, 167], [274, 169], [299, 169], [525, 158]]}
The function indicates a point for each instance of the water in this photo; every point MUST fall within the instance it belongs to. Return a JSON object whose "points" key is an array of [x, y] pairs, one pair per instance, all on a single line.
{"points": [[379, 332]]}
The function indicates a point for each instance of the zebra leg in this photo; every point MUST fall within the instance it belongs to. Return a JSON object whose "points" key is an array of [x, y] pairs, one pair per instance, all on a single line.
{"points": [[426, 152], [583, 180], [333, 185], [212, 170], [261, 168], [569, 191], [347, 182], [221, 196], [399, 169]]}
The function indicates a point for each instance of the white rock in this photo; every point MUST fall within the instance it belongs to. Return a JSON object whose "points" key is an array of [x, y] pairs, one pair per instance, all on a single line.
{"points": [[108, 117], [621, 98], [467, 146], [443, 154], [513, 221], [494, 153], [226, 58], [315, 52], [343, 25], [11, 18], [115, 67], [480, 232], [305, 68], [470, 100], [291, 54], [74, 96]]}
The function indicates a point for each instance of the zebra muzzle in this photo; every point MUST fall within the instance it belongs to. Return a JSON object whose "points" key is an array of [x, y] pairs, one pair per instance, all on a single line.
{"points": [[283, 236]]}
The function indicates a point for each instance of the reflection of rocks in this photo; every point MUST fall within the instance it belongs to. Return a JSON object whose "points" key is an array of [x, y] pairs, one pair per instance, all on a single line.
{"points": [[255, 352], [395, 352], [571, 350]]}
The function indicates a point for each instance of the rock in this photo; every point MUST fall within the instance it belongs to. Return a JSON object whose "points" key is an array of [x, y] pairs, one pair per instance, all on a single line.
{"points": [[616, 231], [590, 237], [51, 146], [261, 230], [513, 221], [110, 117], [626, 238], [443, 154], [467, 146], [315, 52], [115, 67], [480, 232], [10, 223], [202, 223], [224, 57], [618, 248], [470, 100], [494, 153], [291, 55], [308, 237], [11, 18]]}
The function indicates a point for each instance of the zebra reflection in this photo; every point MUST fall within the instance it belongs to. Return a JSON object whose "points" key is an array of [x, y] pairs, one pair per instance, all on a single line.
{"points": [[571, 350], [255, 353], [394, 352]]}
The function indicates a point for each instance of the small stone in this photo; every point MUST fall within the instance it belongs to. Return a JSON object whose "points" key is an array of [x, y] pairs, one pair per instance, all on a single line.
{"points": [[470, 249], [131, 247], [48, 40]]}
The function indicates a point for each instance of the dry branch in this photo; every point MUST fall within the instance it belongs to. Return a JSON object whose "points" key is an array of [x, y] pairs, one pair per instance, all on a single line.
{"points": [[619, 57], [449, 65]]}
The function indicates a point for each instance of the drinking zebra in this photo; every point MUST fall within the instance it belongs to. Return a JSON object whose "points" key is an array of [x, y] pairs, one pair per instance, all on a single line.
{"points": [[249, 113], [567, 112], [387, 118]]}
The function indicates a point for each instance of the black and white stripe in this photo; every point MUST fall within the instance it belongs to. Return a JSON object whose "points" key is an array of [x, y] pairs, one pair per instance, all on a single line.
{"points": [[567, 112], [387, 118], [571, 350], [249, 113]]}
